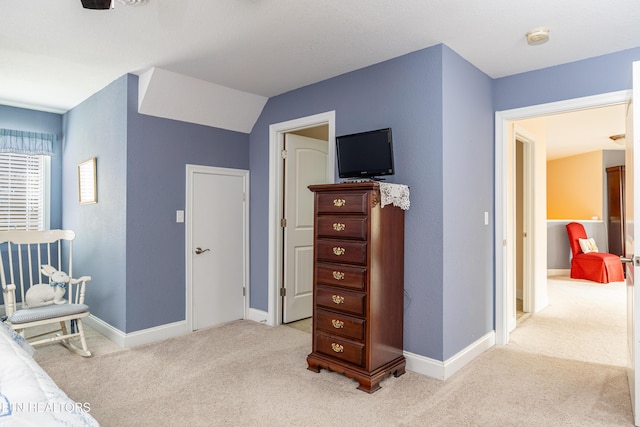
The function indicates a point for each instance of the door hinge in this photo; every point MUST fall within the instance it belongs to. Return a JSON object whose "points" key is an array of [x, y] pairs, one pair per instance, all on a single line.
{"points": [[283, 222], [283, 292], [244, 291], [283, 154]]}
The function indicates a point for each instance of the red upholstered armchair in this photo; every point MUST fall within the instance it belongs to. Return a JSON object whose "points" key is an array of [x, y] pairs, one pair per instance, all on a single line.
{"points": [[596, 266]]}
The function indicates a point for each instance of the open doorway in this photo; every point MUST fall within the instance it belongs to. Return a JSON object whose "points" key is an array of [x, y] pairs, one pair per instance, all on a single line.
{"points": [[505, 205], [277, 135]]}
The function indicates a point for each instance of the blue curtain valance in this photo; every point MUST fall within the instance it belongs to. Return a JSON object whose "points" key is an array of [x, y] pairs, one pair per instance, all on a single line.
{"points": [[22, 142]]}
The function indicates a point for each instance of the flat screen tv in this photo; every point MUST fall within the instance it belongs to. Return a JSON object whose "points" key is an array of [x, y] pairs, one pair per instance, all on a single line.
{"points": [[365, 155]]}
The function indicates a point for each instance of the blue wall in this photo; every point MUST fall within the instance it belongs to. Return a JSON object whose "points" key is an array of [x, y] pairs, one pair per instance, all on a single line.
{"points": [[158, 151], [593, 76], [129, 241], [39, 121], [406, 94], [403, 94], [441, 110], [468, 279], [98, 128]]}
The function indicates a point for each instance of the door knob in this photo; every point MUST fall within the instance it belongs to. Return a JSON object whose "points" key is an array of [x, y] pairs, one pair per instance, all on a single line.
{"points": [[631, 259], [201, 251]]}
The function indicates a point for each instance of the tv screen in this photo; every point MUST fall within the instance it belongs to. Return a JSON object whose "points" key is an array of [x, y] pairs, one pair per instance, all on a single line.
{"points": [[365, 154]]}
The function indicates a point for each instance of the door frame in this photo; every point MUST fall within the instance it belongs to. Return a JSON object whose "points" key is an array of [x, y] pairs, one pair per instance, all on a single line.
{"points": [[276, 141], [632, 117], [528, 166], [191, 170], [504, 234]]}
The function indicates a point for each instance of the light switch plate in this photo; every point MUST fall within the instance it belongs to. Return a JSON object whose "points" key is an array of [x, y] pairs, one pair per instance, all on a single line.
{"points": [[179, 216], [486, 218]]}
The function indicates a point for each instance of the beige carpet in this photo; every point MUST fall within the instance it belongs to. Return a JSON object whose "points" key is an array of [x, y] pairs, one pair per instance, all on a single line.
{"points": [[584, 321], [248, 374], [304, 325]]}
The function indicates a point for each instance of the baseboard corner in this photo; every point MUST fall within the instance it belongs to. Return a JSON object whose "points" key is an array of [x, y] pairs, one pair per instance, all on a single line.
{"points": [[112, 333], [467, 355], [444, 370], [424, 365]]}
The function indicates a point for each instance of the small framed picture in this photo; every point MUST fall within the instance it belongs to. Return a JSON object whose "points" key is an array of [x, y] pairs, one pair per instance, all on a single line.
{"points": [[87, 186]]}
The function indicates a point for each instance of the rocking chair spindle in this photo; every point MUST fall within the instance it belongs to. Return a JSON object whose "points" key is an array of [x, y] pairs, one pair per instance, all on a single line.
{"points": [[22, 257]]}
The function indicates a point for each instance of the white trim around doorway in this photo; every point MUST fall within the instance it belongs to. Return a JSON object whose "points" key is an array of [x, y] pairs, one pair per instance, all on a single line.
{"points": [[276, 138], [503, 233], [191, 170]]}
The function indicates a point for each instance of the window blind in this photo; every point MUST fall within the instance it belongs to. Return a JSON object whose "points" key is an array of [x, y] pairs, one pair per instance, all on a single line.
{"points": [[22, 192]]}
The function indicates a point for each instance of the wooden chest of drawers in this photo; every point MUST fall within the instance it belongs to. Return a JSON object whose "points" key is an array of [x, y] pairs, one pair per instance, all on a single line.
{"points": [[358, 284]]}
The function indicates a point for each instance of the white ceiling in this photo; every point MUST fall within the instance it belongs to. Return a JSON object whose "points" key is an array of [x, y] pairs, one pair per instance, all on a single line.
{"points": [[55, 54], [583, 131]]}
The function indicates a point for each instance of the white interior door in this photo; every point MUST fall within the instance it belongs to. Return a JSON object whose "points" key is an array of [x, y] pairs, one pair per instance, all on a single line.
{"points": [[631, 249], [305, 164], [218, 245]]}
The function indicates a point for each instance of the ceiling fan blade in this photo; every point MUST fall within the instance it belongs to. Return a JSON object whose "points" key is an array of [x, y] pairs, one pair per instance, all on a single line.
{"points": [[97, 4]]}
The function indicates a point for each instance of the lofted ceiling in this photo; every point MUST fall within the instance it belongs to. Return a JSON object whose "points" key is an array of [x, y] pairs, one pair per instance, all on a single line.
{"points": [[55, 54]]}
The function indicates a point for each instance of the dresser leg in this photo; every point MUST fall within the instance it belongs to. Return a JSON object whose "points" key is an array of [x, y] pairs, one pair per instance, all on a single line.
{"points": [[369, 386], [313, 366], [399, 371]]}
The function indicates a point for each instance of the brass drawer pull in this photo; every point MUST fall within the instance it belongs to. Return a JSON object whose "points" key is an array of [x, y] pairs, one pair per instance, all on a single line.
{"points": [[339, 202], [338, 251], [337, 347], [338, 299], [338, 275], [338, 226], [338, 324]]}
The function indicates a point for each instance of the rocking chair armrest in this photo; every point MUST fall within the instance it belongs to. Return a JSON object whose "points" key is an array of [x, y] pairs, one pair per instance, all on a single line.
{"points": [[9, 296], [80, 279]]}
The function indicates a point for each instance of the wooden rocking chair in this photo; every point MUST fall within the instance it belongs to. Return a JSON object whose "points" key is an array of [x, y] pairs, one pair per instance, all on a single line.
{"points": [[22, 257]]}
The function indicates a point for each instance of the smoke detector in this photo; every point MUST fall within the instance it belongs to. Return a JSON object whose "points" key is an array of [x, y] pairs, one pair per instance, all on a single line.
{"points": [[538, 36]]}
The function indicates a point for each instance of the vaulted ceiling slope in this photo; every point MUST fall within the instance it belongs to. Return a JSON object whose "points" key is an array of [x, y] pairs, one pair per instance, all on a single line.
{"points": [[55, 54]]}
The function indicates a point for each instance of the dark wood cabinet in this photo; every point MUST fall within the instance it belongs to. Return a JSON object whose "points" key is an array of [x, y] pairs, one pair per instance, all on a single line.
{"points": [[358, 284], [615, 210]]}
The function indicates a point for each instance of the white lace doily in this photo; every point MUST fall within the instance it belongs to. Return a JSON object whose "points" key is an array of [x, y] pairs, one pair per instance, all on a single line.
{"points": [[396, 194]]}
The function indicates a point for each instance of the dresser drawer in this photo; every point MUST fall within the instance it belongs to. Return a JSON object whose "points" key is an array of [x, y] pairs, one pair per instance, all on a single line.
{"points": [[341, 251], [340, 348], [340, 203], [341, 275], [341, 227], [338, 324], [340, 299]]}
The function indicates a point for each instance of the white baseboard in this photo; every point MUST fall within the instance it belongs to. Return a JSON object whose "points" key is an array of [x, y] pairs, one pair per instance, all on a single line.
{"points": [[443, 370], [136, 338], [415, 362], [424, 365], [113, 334], [258, 316], [156, 333], [558, 272]]}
